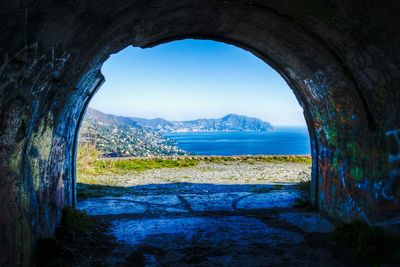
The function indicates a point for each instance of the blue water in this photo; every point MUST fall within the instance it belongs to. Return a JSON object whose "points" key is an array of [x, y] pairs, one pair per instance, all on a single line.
{"points": [[280, 141]]}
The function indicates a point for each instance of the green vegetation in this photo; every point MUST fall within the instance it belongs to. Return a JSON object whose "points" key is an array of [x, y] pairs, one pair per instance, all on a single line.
{"points": [[77, 237], [303, 204], [86, 159], [75, 222], [90, 165], [95, 191], [126, 165], [371, 244], [304, 186], [256, 159], [267, 189]]}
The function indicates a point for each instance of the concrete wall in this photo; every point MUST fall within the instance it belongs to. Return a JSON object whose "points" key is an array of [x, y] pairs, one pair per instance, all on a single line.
{"points": [[340, 58]]}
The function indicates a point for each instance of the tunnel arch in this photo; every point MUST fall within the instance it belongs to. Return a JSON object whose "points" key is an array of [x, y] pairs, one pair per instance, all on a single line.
{"points": [[339, 58], [165, 41]]}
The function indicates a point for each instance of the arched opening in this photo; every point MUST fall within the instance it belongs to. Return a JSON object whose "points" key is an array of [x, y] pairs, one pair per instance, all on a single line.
{"points": [[100, 81], [201, 208], [210, 90], [251, 182], [216, 183], [345, 79]]}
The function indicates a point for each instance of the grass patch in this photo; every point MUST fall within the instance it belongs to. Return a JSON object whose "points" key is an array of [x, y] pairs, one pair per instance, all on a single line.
{"points": [[267, 189], [303, 204], [371, 244], [123, 166], [304, 186], [75, 222], [278, 187], [95, 191], [260, 190], [257, 159], [89, 165], [127, 165], [86, 158], [79, 241]]}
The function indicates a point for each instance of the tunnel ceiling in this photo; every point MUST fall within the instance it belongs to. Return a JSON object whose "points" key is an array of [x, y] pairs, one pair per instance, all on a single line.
{"points": [[340, 58]]}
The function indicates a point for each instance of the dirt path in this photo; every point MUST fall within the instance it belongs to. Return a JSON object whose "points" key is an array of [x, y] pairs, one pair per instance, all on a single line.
{"points": [[235, 172]]}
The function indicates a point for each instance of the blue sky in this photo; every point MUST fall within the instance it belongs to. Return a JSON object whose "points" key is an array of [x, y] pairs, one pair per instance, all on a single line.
{"points": [[193, 79]]}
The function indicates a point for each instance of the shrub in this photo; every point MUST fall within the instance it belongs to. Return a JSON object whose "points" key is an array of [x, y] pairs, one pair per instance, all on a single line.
{"points": [[371, 244], [75, 221], [303, 204], [304, 186], [86, 159]]}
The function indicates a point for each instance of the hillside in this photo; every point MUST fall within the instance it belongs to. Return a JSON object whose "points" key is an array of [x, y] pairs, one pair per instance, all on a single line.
{"points": [[230, 122], [117, 136]]}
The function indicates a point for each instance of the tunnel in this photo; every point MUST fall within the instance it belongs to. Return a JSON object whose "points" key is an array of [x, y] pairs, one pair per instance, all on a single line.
{"points": [[340, 58]]}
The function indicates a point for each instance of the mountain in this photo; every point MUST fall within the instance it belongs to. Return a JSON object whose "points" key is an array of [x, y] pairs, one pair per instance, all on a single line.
{"points": [[118, 136], [230, 122], [157, 124]]}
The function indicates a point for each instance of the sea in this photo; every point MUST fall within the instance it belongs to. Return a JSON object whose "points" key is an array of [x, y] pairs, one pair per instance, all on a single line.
{"points": [[279, 141]]}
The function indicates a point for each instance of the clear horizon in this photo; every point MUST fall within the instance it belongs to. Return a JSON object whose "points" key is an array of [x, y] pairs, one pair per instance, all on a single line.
{"points": [[193, 79]]}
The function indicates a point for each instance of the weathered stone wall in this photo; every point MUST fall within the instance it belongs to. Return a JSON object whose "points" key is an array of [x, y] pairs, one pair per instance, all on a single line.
{"points": [[340, 58]]}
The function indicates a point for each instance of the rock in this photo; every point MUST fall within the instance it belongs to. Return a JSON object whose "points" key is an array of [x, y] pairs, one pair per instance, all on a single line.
{"points": [[309, 222], [272, 200]]}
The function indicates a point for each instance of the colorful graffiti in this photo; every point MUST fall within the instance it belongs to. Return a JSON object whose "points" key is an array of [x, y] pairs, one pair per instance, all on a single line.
{"points": [[355, 174], [394, 145], [390, 186]]}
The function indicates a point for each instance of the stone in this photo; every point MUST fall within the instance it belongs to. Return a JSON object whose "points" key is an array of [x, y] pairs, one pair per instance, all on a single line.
{"points": [[139, 205], [218, 231], [273, 200], [110, 206], [213, 202], [309, 222]]}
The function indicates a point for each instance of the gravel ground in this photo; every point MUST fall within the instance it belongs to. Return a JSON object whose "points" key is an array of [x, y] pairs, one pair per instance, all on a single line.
{"points": [[215, 173]]}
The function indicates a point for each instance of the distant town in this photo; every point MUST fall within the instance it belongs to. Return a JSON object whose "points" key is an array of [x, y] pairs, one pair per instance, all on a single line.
{"points": [[118, 136]]}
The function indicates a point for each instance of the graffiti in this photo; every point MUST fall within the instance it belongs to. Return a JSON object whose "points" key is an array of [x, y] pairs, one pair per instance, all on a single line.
{"points": [[355, 177], [392, 189], [51, 69], [388, 189], [394, 145]]}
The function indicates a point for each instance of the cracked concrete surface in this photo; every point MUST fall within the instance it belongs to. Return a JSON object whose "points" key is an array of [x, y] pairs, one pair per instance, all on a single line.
{"points": [[213, 225], [225, 201]]}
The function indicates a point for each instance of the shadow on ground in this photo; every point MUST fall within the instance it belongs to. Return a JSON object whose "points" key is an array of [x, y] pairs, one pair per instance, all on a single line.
{"points": [[188, 224], [85, 191]]}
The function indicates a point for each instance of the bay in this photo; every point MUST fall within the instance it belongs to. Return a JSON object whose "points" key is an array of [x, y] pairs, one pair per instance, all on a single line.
{"points": [[279, 141]]}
